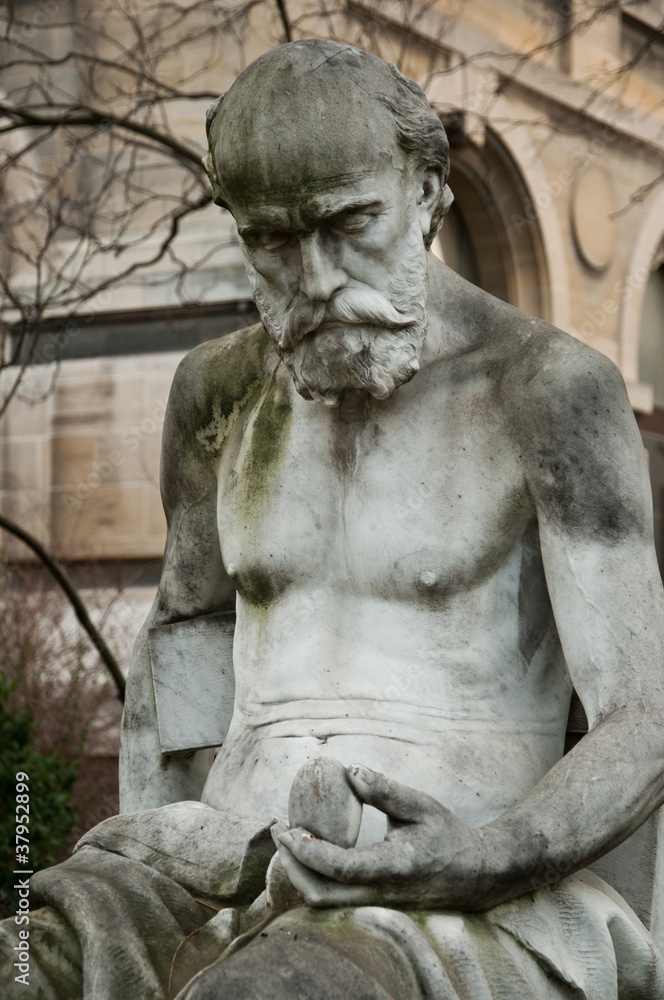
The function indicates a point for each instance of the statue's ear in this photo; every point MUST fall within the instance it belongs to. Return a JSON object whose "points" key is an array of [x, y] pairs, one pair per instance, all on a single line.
{"points": [[430, 187], [211, 114], [434, 199], [208, 160]]}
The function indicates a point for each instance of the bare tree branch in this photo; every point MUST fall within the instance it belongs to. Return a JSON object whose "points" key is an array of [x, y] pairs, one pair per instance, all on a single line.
{"points": [[285, 20], [87, 117], [59, 574]]}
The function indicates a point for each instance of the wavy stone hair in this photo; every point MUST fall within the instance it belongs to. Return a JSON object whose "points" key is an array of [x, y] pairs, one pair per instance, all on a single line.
{"points": [[419, 131]]}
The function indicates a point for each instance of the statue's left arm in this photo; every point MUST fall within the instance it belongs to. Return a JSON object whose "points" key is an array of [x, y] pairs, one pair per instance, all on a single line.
{"points": [[587, 478]]}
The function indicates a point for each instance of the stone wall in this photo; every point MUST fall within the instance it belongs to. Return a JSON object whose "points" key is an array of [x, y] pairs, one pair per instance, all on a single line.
{"points": [[79, 456]]}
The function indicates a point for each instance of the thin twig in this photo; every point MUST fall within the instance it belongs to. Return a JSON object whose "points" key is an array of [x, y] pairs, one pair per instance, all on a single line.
{"points": [[170, 974]]}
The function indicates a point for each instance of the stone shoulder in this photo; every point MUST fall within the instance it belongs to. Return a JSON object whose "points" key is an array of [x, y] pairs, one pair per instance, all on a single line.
{"points": [[567, 408], [212, 387], [221, 369], [554, 382]]}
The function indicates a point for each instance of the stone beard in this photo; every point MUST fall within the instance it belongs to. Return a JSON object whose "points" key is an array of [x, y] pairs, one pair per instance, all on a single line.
{"points": [[368, 340]]}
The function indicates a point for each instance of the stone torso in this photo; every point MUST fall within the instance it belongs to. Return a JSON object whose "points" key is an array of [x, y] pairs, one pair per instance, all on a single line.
{"points": [[391, 602]]}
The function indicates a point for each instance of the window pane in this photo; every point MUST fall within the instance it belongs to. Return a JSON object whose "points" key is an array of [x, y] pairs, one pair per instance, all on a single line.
{"points": [[454, 246], [651, 336]]}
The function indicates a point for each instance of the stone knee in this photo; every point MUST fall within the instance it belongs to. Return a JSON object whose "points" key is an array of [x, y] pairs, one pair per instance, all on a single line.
{"points": [[283, 965]]}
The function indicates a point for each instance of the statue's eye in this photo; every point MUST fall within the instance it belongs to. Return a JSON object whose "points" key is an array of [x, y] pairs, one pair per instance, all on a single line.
{"points": [[272, 240], [354, 222], [266, 239]]}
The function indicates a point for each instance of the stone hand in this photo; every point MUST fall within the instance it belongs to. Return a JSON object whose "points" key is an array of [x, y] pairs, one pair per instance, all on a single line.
{"points": [[428, 857]]}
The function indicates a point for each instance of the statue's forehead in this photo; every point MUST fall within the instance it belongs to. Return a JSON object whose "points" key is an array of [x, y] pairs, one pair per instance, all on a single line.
{"points": [[303, 139]]}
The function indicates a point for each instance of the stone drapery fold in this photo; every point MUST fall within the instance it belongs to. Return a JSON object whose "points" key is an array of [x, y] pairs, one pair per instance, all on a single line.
{"points": [[150, 901]]}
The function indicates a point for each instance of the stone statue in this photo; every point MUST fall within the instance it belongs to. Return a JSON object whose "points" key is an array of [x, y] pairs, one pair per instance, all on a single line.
{"points": [[432, 515]]}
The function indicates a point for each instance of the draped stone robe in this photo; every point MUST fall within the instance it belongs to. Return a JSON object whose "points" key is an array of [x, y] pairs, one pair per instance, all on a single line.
{"points": [[187, 901]]}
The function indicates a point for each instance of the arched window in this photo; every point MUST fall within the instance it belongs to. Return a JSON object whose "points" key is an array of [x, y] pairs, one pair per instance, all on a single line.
{"points": [[454, 245], [489, 236]]}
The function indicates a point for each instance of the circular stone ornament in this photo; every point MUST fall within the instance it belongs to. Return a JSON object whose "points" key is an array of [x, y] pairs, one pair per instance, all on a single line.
{"points": [[593, 204], [322, 802]]}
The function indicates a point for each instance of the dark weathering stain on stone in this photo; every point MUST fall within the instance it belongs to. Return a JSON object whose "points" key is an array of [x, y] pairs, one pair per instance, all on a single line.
{"points": [[535, 613], [260, 588], [585, 474], [581, 491]]}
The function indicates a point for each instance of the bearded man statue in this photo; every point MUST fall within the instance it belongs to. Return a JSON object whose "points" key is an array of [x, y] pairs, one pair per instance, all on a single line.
{"points": [[431, 515]]}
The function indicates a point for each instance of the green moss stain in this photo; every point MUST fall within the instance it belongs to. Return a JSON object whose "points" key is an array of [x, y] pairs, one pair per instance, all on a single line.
{"points": [[212, 436], [262, 453], [268, 433], [260, 592], [235, 392], [233, 374]]}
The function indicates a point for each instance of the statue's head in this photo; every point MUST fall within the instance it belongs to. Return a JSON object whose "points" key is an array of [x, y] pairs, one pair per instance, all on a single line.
{"points": [[335, 169]]}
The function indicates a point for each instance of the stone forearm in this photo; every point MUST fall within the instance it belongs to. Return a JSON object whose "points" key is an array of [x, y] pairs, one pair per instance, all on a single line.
{"points": [[594, 798]]}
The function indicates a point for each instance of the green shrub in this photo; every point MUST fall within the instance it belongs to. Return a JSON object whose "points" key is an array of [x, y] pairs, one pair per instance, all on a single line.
{"points": [[51, 817], [51, 687]]}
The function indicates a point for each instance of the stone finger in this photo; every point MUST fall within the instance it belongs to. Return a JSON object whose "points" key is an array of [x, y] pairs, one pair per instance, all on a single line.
{"points": [[396, 800]]}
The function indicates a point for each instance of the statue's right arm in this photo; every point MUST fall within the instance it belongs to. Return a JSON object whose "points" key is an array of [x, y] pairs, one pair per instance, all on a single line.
{"points": [[193, 582]]}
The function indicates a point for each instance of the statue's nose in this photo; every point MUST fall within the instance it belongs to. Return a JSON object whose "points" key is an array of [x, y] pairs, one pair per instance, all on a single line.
{"points": [[321, 277]]}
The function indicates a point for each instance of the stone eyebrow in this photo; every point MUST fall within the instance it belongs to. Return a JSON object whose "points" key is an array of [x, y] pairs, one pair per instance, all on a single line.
{"points": [[269, 221], [316, 215], [324, 213]]}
